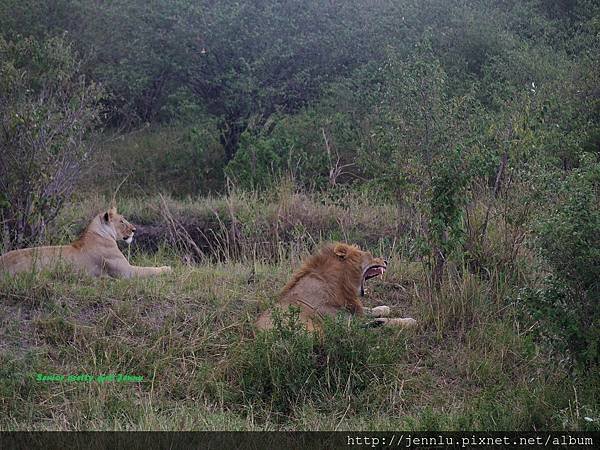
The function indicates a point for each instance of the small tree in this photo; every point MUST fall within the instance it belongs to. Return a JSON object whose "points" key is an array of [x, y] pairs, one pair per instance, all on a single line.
{"points": [[47, 110], [423, 149]]}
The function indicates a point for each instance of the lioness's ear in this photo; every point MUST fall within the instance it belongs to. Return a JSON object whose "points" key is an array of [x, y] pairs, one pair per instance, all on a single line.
{"points": [[341, 250], [106, 217]]}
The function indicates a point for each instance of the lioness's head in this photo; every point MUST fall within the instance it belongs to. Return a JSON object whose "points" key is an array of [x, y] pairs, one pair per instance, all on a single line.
{"points": [[117, 225], [369, 265]]}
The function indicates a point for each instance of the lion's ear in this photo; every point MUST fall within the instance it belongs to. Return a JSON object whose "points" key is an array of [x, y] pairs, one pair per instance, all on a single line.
{"points": [[106, 217], [341, 250]]}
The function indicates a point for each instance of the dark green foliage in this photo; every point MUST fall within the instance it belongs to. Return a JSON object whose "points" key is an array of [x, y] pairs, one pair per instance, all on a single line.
{"points": [[570, 234], [243, 62], [279, 366], [448, 184], [291, 147], [288, 366], [571, 320], [569, 237]]}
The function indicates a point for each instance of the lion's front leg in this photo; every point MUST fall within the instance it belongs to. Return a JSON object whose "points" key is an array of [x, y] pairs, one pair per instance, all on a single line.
{"points": [[402, 322]]}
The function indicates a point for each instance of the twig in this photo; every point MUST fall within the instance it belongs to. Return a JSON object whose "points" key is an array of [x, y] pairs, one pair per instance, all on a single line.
{"points": [[179, 235]]}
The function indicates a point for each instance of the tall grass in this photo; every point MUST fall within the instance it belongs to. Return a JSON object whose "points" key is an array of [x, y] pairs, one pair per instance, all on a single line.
{"points": [[475, 361]]}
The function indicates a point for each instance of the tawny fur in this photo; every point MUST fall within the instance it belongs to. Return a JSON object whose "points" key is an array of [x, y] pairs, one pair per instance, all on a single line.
{"points": [[327, 283], [95, 252]]}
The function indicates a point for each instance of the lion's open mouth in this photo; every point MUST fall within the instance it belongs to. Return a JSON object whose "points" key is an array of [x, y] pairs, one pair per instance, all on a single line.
{"points": [[371, 272]]}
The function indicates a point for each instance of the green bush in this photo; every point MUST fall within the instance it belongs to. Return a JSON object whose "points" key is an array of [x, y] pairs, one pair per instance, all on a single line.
{"points": [[567, 326], [294, 148], [570, 234], [569, 238], [47, 112], [287, 366]]}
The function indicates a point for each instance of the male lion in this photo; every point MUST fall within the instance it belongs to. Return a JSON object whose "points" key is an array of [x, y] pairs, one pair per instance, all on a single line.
{"points": [[94, 252], [330, 282]]}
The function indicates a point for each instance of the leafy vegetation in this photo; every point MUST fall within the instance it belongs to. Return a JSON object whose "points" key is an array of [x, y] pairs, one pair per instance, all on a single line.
{"points": [[47, 111]]}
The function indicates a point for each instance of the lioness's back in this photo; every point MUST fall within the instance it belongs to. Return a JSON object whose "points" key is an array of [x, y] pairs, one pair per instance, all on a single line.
{"points": [[28, 259]]}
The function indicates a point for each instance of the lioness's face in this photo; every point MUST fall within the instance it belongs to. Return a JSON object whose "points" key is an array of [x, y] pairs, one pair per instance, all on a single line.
{"points": [[122, 228]]}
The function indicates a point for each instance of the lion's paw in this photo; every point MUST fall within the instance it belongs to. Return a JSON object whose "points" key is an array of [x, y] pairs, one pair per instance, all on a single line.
{"points": [[380, 311], [407, 322]]}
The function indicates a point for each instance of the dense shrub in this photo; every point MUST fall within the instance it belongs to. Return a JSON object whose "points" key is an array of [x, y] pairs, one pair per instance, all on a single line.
{"points": [[293, 147], [287, 366], [47, 111], [569, 238], [570, 234]]}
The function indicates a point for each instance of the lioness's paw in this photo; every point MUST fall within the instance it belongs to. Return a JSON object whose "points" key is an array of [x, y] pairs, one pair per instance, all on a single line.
{"points": [[380, 311]]}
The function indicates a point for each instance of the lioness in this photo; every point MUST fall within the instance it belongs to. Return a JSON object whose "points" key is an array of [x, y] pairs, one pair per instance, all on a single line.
{"points": [[94, 252], [329, 282]]}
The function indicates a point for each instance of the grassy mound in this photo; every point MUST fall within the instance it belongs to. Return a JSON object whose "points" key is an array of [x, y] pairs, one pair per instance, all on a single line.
{"points": [[476, 361]]}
